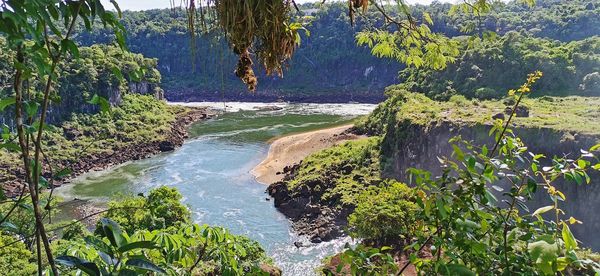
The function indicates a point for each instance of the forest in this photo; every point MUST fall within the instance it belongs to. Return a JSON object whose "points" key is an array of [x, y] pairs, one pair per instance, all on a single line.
{"points": [[540, 32], [465, 139]]}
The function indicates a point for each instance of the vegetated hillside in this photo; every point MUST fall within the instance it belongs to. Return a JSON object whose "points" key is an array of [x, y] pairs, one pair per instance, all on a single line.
{"points": [[564, 20], [414, 131], [329, 66], [488, 68], [79, 79], [138, 128]]}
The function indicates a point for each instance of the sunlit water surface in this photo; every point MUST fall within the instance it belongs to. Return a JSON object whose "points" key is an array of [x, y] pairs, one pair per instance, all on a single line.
{"points": [[212, 172]]}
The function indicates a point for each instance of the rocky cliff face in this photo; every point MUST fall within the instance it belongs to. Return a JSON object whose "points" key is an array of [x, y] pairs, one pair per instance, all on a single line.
{"points": [[417, 146]]}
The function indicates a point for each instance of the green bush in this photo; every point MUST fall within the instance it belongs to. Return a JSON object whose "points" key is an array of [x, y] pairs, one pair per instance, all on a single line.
{"points": [[340, 173], [161, 209], [384, 215], [75, 231], [14, 259], [486, 93]]}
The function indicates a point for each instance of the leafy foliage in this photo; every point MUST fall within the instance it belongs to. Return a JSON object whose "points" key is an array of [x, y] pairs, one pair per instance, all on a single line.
{"points": [[88, 77], [473, 218], [163, 34], [156, 238], [161, 209], [489, 67], [15, 259], [339, 174], [384, 215], [364, 260]]}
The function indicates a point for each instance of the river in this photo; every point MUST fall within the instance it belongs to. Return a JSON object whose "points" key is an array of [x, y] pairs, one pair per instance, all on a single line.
{"points": [[212, 171]]}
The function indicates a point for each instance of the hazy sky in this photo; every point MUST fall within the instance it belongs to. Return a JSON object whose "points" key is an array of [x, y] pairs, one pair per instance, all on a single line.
{"points": [[154, 4]]}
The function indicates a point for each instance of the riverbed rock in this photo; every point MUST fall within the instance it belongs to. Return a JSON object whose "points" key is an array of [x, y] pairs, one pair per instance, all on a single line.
{"points": [[521, 111]]}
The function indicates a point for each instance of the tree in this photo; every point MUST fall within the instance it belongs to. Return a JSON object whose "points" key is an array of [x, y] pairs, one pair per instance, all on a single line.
{"points": [[32, 32]]}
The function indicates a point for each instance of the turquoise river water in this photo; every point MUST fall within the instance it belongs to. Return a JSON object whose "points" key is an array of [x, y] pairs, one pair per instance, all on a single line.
{"points": [[212, 171]]}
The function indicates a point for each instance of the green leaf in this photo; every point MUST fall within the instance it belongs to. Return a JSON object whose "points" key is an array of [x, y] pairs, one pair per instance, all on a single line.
{"points": [[542, 210], [542, 251], [10, 146], [68, 261], [114, 3], [458, 153], [102, 102], [85, 266], [6, 102], [44, 182], [137, 245], [9, 226], [99, 244], [144, 265], [117, 72], [127, 272], [89, 268], [112, 231], [568, 238], [439, 203], [63, 173], [68, 45], [581, 164]]}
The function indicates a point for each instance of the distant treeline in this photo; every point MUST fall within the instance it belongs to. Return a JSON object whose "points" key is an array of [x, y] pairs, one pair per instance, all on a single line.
{"points": [[79, 79], [488, 69], [330, 67]]}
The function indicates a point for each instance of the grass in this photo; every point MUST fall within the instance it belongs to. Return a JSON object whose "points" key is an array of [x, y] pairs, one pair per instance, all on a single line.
{"points": [[340, 173], [573, 114]]}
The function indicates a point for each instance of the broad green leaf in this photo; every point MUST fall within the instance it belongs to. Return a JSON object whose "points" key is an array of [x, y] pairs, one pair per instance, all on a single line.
{"points": [[542, 210], [113, 232], [62, 173], [127, 272], [68, 261], [6, 102], [137, 245], [102, 102], [144, 265], [9, 226], [542, 251], [568, 238], [10, 146], [74, 262], [99, 244], [68, 45]]}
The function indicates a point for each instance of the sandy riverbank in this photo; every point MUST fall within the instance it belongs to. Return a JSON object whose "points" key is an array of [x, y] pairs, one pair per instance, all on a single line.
{"points": [[289, 150]]}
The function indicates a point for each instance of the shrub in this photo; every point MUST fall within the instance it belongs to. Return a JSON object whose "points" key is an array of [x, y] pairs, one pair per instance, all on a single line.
{"points": [[161, 209], [75, 231], [486, 93], [14, 259], [384, 215]]}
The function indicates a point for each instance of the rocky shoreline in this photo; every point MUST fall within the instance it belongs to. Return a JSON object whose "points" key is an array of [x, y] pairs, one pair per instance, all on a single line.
{"points": [[310, 216], [97, 162]]}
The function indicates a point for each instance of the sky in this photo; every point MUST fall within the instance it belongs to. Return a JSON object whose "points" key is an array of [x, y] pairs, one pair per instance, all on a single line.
{"points": [[137, 5]]}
